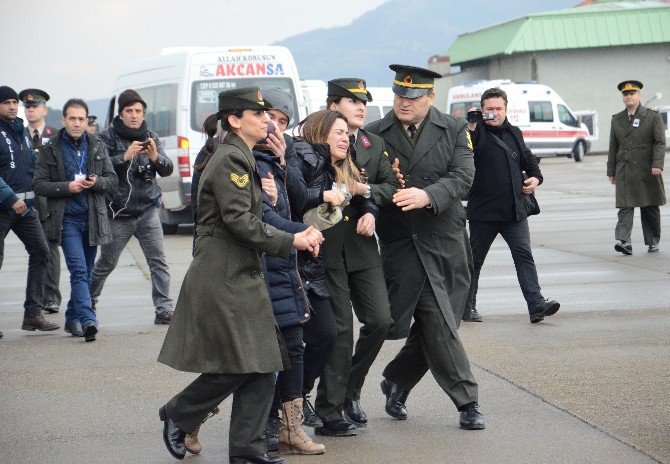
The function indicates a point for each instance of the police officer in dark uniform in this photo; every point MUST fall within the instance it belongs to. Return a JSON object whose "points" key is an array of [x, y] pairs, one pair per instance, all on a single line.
{"points": [[34, 101], [223, 326], [354, 269], [424, 245], [17, 212]]}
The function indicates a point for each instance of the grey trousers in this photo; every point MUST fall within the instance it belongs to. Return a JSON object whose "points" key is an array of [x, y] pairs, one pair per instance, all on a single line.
{"points": [[148, 231], [252, 399], [52, 281], [650, 217], [431, 345]]}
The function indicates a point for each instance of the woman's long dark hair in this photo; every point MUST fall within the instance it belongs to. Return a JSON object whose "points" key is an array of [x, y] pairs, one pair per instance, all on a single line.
{"points": [[210, 128]]}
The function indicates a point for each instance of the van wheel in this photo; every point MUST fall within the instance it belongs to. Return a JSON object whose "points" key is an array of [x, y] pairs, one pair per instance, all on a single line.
{"points": [[579, 152], [170, 229]]}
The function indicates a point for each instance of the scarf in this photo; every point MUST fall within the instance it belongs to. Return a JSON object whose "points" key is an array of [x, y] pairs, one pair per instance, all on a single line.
{"points": [[126, 133]]}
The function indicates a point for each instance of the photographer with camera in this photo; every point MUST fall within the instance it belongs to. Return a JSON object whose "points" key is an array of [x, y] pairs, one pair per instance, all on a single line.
{"points": [[137, 156], [496, 204]]}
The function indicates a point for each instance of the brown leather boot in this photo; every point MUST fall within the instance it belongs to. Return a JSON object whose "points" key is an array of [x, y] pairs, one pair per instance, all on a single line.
{"points": [[191, 442], [291, 433], [38, 323]]}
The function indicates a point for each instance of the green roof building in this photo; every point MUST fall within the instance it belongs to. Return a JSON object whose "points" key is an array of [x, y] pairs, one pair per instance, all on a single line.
{"points": [[581, 52]]}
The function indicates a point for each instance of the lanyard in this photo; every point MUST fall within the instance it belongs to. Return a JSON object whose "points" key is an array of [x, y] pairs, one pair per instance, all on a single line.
{"points": [[81, 161]]}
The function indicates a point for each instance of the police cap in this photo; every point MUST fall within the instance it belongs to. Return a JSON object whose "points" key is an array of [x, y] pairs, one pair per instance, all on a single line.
{"points": [[31, 97], [244, 98], [626, 86], [411, 81], [349, 87]]}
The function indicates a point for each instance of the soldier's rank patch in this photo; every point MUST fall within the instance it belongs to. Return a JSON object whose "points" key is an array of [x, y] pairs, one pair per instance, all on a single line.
{"points": [[365, 141], [467, 135], [240, 181]]}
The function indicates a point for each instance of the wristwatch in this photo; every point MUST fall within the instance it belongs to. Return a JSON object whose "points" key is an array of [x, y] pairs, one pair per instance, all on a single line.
{"points": [[368, 192]]}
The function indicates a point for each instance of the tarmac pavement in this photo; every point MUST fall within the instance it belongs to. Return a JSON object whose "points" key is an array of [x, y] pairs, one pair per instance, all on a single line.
{"points": [[586, 385]]}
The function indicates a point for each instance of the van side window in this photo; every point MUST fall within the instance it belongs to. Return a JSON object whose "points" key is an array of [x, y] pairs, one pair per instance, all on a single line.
{"points": [[540, 111], [161, 113], [566, 117]]}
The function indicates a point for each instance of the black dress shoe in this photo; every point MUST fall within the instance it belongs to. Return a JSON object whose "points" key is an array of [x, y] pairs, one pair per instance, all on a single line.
{"points": [[311, 419], [337, 428], [474, 316], [260, 459], [395, 400], [353, 411], [624, 247], [89, 333], [173, 436], [472, 417], [541, 310]]}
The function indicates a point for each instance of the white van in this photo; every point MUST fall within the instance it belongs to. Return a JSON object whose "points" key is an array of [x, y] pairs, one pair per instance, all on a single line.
{"points": [[548, 125], [316, 93], [181, 87]]}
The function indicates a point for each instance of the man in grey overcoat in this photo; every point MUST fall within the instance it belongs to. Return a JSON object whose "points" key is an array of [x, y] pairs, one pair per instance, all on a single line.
{"points": [[634, 166], [424, 246]]}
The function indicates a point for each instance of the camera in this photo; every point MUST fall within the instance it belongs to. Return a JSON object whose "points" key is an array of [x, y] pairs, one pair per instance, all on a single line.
{"points": [[146, 172], [477, 116]]}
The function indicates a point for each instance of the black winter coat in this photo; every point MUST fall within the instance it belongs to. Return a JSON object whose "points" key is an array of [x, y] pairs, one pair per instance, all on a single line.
{"points": [[489, 197], [144, 195], [289, 301], [317, 175]]}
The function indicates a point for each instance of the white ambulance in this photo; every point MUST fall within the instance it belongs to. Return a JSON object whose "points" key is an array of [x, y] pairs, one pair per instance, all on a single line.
{"points": [[181, 87], [548, 125], [316, 92]]}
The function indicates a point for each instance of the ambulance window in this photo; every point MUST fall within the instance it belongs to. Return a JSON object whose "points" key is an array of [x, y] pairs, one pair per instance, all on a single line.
{"points": [[161, 113], [373, 114], [205, 96], [540, 111], [566, 117]]}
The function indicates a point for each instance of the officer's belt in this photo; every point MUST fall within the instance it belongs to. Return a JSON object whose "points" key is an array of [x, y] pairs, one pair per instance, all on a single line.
{"points": [[25, 195]]}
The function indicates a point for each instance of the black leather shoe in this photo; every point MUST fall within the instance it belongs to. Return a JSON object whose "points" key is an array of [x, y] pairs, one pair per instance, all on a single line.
{"points": [[89, 333], [310, 417], [472, 417], [353, 411], [337, 428], [624, 247], [474, 316], [541, 310], [395, 400], [271, 433], [173, 436], [260, 459]]}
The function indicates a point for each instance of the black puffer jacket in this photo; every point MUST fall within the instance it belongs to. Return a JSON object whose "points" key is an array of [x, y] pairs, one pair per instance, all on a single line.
{"points": [[143, 195], [317, 176]]}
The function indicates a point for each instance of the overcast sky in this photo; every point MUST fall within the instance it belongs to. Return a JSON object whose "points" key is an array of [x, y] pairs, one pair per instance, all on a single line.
{"points": [[74, 48]]}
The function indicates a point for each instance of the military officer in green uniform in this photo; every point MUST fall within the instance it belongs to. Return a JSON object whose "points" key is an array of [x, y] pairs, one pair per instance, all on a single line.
{"points": [[424, 245], [354, 269], [223, 326], [634, 165]]}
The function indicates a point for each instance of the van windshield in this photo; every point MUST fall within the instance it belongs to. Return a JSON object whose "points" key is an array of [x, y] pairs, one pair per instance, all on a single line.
{"points": [[205, 96]]}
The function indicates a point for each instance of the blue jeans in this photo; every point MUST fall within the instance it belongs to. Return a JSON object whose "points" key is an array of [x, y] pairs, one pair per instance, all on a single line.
{"points": [[80, 257]]}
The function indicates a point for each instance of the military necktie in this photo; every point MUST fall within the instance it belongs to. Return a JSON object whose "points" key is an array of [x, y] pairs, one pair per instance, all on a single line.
{"points": [[630, 118], [412, 130], [352, 146], [36, 139]]}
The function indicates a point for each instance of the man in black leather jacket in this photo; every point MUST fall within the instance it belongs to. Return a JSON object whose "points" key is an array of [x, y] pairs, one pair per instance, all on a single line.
{"points": [[137, 156], [496, 204]]}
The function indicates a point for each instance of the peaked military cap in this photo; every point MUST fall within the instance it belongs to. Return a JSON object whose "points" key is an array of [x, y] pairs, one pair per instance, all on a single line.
{"points": [[626, 86], [349, 87], [244, 98], [33, 96], [412, 81], [280, 100]]}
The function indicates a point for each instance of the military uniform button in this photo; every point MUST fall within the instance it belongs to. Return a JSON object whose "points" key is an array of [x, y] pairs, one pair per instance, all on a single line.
{"points": [[346, 218], [415, 236], [268, 232], [253, 274]]}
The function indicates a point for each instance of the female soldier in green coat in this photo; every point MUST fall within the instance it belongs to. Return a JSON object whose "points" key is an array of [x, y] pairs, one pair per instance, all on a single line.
{"points": [[223, 326]]}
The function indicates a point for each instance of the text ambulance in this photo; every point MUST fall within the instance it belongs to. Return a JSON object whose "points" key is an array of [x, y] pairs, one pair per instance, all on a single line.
{"points": [[181, 87], [548, 125]]}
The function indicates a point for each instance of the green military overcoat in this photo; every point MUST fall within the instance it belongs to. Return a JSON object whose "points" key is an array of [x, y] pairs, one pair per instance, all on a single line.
{"points": [[429, 242], [223, 322], [633, 152], [342, 243]]}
